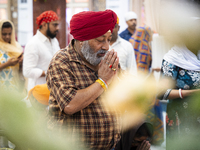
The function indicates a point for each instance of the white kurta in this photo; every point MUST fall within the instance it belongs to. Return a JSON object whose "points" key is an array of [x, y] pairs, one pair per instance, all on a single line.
{"points": [[126, 55], [37, 56]]}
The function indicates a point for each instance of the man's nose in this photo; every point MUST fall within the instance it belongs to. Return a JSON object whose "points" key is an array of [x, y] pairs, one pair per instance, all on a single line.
{"points": [[106, 45], [57, 27]]}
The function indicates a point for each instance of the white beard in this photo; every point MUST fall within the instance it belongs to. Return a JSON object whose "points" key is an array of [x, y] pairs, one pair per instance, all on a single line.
{"points": [[90, 55]]}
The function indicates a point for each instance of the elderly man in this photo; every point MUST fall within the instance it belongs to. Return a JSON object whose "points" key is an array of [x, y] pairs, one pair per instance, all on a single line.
{"points": [[124, 51], [40, 49], [131, 21], [77, 77]]}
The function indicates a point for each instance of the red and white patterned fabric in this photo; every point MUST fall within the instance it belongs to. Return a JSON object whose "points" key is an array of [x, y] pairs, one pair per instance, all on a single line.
{"points": [[47, 16]]}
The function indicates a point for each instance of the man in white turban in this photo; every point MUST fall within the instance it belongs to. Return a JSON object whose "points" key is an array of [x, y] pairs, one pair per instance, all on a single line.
{"points": [[131, 21]]}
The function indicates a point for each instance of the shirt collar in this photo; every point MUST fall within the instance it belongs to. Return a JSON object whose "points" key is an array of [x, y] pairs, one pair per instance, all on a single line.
{"points": [[127, 31], [41, 36], [74, 55]]}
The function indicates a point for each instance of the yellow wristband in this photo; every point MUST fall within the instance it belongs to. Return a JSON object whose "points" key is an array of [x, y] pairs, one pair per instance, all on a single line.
{"points": [[102, 84]]}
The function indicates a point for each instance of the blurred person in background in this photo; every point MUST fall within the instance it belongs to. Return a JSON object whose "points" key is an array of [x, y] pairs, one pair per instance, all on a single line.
{"points": [[131, 21], [41, 48], [141, 42], [39, 98], [137, 138], [142, 48], [124, 51], [10, 57], [182, 65], [77, 77]]}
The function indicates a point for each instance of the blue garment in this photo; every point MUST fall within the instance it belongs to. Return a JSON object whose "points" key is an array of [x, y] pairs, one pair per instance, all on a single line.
{"points": [[7, 80], [181, 118], [154, 116], [126, 35]]}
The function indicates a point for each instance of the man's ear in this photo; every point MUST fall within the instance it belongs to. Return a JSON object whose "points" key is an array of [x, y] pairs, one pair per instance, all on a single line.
{"points": [[44, 25], [118, 27]]}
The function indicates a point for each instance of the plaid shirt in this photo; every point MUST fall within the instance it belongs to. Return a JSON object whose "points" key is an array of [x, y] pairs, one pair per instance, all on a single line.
{"points": [[67, 73]]}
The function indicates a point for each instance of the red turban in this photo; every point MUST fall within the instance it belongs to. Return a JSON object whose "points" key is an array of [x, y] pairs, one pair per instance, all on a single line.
{"points": [[47, 16], [88, 25]]}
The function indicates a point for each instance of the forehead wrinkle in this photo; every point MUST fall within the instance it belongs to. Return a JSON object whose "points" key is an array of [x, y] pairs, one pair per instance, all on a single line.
{"points": [[104, 36]]}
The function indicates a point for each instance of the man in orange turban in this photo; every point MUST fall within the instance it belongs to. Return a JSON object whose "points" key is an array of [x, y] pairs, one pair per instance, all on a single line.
{"points": [[40, 93], [77, 77]]}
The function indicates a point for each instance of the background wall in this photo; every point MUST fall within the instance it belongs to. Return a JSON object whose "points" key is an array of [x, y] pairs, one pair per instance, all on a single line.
{"points": [[25, 21], [58, 6], [120, 7]]}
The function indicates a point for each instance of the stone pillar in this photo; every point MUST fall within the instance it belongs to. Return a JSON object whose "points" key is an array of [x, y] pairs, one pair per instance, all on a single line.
{"points": [[98, 5], [13, 14], [58, 6]]}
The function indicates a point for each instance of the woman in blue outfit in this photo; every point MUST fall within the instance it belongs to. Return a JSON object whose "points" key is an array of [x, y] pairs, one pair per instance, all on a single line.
{"points": [[183, 67], [10, 57]]}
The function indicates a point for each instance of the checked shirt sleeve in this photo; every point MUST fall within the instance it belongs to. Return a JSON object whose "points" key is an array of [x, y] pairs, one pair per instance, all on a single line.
{"points": [[60, 81]]}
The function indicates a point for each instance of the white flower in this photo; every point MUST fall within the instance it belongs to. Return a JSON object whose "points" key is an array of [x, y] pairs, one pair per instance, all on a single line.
{"points": [[185, 105], [186, 87], [195, 76], [195, 84], [187, 130], [182, 72], [133, 95], [166, 70], [198, 119]]}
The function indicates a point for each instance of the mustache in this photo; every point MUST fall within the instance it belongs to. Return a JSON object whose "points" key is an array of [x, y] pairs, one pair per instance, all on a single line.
{"points": [[102, 51]]}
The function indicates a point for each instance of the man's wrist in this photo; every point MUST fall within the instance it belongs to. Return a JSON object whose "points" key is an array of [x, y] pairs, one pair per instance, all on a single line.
{"points": [[102, 83]]}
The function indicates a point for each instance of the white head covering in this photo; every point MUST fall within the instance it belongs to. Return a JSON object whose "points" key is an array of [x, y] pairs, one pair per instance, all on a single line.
{"points": [[130, 15], [183, 57]]}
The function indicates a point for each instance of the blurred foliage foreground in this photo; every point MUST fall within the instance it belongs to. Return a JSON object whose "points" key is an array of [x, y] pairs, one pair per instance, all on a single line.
{"points": [[21, 126], [130, 97], [191, 140]]}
